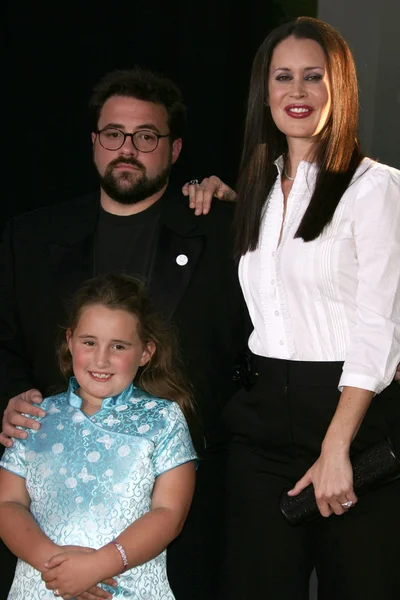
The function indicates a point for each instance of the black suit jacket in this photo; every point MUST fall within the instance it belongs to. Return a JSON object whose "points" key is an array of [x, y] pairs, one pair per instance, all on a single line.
{"points": [[47, 253]]}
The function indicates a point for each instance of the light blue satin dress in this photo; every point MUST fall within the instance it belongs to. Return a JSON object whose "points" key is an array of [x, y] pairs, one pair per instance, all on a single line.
{"points": [[90, 477]]}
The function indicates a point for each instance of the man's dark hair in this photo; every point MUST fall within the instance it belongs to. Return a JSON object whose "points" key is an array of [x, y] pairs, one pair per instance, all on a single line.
{"points": [[141, 84]]}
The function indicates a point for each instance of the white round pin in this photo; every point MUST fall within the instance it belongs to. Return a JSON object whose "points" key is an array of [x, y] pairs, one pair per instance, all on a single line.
{"points": [[182, 260]]}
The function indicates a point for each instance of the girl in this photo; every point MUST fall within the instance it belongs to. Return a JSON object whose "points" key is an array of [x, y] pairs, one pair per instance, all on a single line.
{"points": [[317, 232], [113, 465]]}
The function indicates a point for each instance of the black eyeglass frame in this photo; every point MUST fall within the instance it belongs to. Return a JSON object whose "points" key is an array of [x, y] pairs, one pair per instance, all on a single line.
{"points": [[131, 135]]}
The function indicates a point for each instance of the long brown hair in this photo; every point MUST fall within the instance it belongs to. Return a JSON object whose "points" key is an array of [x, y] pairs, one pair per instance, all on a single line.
{"points": [[336, 150], [162, 376]]}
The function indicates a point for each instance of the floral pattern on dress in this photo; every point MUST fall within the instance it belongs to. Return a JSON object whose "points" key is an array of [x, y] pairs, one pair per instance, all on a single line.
{"points": [[90, 477]]}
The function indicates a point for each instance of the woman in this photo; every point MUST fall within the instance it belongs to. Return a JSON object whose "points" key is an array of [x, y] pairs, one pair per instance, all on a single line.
{"points": [[318, 236]]}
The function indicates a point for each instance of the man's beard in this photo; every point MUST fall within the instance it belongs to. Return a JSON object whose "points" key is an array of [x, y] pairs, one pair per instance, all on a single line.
{"points": [[131, 190]]}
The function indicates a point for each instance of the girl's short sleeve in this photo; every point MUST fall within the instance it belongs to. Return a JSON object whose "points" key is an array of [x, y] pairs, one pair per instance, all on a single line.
{"points": [[174, 444], [14, 458]]}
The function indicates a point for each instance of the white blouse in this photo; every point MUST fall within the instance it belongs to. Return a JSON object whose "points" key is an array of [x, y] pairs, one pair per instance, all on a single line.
{"points": [[336, 298]]}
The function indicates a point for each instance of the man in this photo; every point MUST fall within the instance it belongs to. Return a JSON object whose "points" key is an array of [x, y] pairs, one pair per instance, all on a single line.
{"points": [[139, 225]]}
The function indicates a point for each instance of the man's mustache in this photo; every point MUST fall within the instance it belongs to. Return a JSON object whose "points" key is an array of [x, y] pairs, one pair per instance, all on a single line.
{"points": [[126, 161]]}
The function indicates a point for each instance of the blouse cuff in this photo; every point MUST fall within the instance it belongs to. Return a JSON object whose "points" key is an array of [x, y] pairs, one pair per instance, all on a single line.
{"points": [[365, 382]]}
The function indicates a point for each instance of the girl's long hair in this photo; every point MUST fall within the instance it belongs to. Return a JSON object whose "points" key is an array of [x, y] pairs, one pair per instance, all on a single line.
{"points": [[336, 150], [163, 375]]}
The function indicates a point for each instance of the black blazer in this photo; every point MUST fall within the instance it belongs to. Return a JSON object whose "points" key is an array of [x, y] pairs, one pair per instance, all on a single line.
{"points": [[45, 255]]}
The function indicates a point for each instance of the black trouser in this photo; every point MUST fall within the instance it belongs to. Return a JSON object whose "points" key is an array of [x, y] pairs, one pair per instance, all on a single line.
{"points": [[194, 559], [277, 427], [7, 564]]}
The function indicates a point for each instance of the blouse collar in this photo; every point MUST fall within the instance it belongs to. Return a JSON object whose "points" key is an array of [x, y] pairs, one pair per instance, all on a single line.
{"points": [[121, 398], [304, 165]]}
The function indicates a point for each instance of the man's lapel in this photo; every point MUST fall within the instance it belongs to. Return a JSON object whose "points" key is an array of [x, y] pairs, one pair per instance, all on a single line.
{"points": [[179, 249], [72, 258]]}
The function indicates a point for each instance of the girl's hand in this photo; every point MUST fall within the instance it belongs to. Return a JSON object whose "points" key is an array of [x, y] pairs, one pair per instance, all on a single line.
{"points": [[332, 478], [74, 574], [201, 194], [95, 592]]}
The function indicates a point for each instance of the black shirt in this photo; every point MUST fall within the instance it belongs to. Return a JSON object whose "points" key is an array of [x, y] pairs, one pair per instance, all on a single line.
{"points": [[127, 243]]}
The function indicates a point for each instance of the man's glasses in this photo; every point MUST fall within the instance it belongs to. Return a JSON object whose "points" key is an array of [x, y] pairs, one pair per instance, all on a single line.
{"points": [[144, 140]]}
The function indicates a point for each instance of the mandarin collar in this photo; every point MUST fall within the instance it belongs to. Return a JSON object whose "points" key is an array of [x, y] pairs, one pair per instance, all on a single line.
{"points": [[108, 403], [304, 165]]}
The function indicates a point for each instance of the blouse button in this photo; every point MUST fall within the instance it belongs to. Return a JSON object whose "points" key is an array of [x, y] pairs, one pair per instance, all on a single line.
{"points": [[272, 281], [277, 313], [281, 342]]}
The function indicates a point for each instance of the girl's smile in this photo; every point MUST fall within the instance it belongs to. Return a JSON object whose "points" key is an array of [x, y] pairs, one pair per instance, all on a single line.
{"points": [[106, 353]]}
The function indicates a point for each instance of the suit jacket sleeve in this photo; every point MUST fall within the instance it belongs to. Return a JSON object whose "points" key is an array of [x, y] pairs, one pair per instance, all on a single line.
{"points": [[15, 372]]}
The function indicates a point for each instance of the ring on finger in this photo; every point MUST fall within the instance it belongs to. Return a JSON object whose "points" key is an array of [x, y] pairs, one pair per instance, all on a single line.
{"points": [[194, 182], [347, 504]]}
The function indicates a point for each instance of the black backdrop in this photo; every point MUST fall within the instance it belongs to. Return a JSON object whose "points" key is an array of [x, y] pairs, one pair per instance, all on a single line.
{"points": [[57, 51]]}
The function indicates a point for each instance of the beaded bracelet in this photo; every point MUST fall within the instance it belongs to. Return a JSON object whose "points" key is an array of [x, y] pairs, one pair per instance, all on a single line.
{"points": [[122, 555]]}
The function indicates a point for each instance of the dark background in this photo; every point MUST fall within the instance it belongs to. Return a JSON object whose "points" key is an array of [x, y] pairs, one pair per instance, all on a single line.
{"points": [[57, 53]]}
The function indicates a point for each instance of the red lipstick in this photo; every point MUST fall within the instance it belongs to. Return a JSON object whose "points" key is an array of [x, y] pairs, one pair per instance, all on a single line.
{"points": [[298, 111]]}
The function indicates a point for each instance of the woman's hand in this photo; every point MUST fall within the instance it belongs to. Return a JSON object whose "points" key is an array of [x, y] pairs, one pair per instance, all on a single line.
{"points": [[201, 194], [74, 574], [332, 474], [332, 478]]}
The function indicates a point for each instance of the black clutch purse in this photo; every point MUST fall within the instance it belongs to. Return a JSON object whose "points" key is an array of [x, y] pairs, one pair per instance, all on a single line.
{"points": [[372, 468]]}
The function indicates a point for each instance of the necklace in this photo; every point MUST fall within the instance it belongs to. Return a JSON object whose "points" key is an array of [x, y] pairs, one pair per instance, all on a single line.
{"points": [[288, 176]]}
